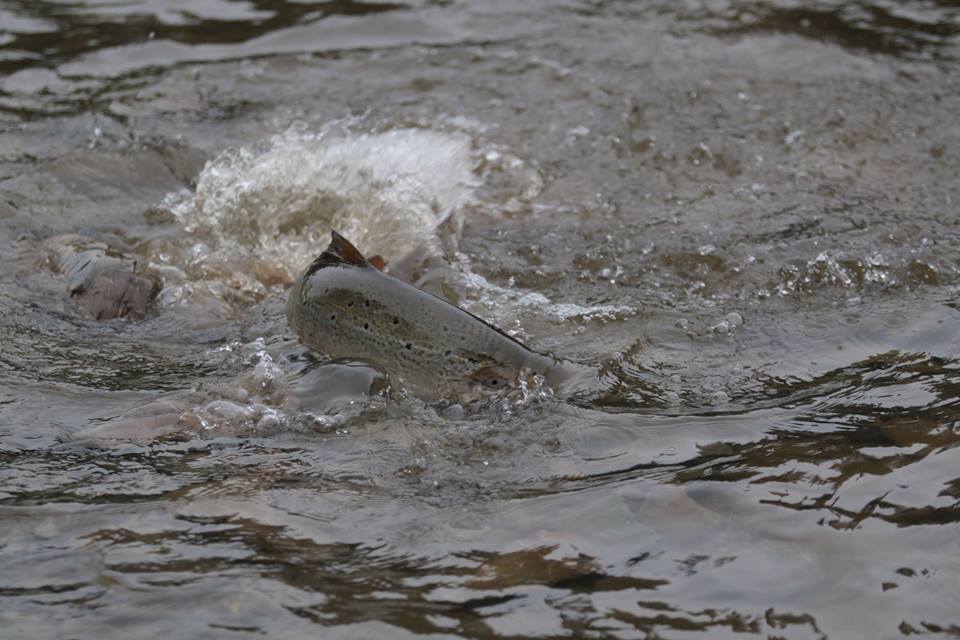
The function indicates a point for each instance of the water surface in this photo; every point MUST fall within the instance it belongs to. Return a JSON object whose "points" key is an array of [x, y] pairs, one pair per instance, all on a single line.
{"points": [[744, 215]]}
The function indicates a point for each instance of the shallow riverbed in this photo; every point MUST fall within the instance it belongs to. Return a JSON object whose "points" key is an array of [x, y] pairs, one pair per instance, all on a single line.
{"points": [[743, 215]]}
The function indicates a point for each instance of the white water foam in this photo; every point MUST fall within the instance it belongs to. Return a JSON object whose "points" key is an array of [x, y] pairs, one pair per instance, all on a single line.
{"points": [[276, 201], [261, 213], [504, 303]]}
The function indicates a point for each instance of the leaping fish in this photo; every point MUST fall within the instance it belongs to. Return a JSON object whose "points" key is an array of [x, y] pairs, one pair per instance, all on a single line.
{"points": [[344, 307]]}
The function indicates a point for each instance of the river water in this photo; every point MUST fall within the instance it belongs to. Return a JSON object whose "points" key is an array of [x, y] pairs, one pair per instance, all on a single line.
{"points": [[742, 214]]}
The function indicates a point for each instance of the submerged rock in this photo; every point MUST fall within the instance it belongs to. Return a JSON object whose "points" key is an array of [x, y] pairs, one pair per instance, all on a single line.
{"points": [[106, 282]]}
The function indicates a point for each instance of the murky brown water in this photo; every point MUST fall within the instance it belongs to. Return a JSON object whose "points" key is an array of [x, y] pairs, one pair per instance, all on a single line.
{"points": [[744, 214]]}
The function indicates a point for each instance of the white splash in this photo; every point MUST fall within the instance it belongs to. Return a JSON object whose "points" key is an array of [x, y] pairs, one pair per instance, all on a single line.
{"points": [[502, 300], [276, 201]]}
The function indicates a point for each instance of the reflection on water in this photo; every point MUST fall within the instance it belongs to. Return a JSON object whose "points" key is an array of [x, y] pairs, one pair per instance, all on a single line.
{"points": [[44, 33], [740, 217], [900, 29]]}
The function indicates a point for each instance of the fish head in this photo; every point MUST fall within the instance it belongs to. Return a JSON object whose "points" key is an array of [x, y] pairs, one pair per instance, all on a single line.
{"points": [[328, 299]]}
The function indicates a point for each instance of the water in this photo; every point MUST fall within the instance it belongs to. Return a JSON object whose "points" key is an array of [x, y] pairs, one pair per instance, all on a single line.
{"points": [[743, 215]]}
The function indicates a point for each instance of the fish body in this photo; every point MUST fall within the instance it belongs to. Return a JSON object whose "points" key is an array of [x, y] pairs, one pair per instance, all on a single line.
{"points": [[103, 280], [344, 307]]}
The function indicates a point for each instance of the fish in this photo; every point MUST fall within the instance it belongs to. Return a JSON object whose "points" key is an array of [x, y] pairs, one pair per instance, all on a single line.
{"points": [[345, 307], [105, 281]]}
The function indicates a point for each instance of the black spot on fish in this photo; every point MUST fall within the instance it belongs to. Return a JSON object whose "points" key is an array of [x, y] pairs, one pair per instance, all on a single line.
{"points": [[366, 325], [396, 321], [409, 345], [333, 318]]}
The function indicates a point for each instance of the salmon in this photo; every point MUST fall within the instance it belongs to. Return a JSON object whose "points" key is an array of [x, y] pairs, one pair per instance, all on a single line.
{"points": [[344, 307], [105, 281]]}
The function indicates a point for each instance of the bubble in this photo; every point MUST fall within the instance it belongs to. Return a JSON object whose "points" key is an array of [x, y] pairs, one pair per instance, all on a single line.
{"points": [[46, 530], [269, 421], [733, 319], [719, 397], [223, 413], [454, 412], [728, 324], [251, 351], [721, 327], [267, 376]]}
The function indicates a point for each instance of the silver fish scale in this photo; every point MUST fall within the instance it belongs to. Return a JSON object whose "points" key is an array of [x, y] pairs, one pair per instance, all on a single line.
{"points": [[358, 312]]}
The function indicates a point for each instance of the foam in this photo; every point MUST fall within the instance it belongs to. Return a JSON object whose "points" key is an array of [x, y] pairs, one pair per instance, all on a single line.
{"points": [[277, 201]]}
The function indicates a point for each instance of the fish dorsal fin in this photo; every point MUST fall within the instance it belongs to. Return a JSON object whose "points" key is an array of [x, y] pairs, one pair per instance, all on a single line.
{"points": [[341, 248], [338, 253]]}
